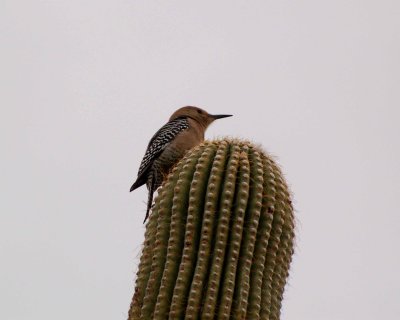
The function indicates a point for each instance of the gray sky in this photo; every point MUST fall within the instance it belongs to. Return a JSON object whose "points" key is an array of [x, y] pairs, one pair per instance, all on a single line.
{"points": [[85, 84]]}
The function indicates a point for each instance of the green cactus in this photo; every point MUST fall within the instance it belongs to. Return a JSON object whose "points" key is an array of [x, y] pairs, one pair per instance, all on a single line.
{"points": [[219, 241]]}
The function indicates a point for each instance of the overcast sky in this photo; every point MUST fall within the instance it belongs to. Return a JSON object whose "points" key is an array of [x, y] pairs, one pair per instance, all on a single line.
{"points": [[85, 84]]}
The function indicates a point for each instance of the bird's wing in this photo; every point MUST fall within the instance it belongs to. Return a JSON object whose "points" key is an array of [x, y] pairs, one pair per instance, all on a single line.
{"points": [[160, 141]]}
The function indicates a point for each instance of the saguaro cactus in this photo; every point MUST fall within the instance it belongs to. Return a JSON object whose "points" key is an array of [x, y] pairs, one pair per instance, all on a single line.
{"points": [[219, 241]]}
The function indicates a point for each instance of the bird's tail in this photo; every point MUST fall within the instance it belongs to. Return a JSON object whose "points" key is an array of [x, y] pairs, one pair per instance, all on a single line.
{"points": [[151, 187]]}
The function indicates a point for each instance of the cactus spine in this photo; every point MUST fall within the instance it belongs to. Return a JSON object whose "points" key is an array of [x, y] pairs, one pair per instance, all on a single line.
{"points": [[219, 241]]}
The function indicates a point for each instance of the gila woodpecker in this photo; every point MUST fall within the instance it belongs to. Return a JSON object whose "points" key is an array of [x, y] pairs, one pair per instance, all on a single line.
{"points": [[184, 130]]}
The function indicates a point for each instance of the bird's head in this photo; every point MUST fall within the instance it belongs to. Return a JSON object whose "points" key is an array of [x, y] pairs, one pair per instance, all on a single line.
{"points": [[197, 114]]}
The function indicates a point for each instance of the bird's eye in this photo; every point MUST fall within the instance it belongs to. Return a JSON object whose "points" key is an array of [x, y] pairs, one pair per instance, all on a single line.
{"points": [[199, 111]]}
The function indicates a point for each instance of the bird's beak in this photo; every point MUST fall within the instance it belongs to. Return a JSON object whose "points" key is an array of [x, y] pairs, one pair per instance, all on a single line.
{"points": [[220, 116]]}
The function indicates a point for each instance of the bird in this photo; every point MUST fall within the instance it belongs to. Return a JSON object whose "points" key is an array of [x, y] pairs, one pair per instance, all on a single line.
{"points": [[184, 130]]}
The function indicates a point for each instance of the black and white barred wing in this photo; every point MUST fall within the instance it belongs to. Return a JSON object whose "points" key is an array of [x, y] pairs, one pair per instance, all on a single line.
{"points": [[160, 141]]}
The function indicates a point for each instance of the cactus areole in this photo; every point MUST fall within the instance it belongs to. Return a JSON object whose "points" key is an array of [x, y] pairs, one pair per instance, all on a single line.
{"points": [[219, 241]]}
